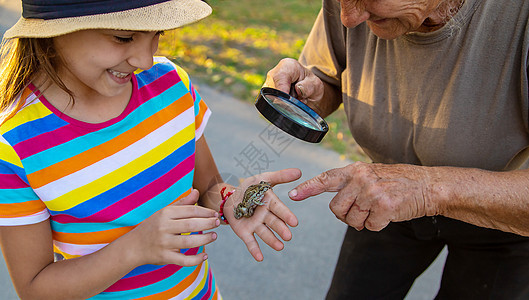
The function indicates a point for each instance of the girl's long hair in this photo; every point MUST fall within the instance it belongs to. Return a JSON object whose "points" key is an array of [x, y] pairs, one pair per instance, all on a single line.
{"points": [[20, 60]]}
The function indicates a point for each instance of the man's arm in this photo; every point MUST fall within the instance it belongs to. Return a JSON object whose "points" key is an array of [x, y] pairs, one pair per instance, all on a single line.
{"points": [[372, 195]]}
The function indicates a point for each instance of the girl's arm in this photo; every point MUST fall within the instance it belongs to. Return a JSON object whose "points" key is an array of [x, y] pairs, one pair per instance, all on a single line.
{"points": [[207, 179], [28, 251], [272, 217]]}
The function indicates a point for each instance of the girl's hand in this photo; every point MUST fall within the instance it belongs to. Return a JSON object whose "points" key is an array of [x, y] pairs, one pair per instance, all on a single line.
{"points": [[273, 216], [158, 239]]}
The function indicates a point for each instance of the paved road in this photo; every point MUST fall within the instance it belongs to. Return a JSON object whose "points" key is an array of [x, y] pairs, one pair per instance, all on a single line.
{"points": [[243, 144]]}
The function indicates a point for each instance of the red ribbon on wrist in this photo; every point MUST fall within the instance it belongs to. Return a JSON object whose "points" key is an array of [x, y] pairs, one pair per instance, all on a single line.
{"points": [[224, 198]]}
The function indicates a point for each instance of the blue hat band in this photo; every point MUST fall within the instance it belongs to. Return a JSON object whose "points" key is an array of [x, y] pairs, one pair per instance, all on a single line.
{"points": [[56, 9]]}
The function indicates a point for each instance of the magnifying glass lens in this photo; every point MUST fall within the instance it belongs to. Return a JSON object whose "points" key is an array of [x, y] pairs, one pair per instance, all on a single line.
{"points": [[293, 112], [291, 115]]}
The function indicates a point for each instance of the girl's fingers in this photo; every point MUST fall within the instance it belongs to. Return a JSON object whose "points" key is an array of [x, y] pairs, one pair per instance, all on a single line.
{"points": [[281, 176], [275, 215], [278, 226], [188, 211], [191, 241], [177, 258], [269, 237], [192, 225], [253, 247], [190, 199], [278, 208]]}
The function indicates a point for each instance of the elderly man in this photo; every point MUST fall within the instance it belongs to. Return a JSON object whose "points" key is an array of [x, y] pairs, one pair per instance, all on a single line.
{"points": [[436, 93]]}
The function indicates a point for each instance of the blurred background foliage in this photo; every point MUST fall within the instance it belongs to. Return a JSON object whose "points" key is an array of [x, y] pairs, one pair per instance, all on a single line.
{"points": [[233, 49]]}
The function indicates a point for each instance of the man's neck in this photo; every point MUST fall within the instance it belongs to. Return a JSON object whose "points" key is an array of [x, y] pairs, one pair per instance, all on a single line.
{"points": [[444, 12]]}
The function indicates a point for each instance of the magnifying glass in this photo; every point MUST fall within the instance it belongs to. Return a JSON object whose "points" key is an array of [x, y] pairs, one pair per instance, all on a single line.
{"points": [[291, 115]]}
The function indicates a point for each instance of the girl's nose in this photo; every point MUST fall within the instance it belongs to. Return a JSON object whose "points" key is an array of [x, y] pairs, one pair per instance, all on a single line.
{"points": [[141, 56]]}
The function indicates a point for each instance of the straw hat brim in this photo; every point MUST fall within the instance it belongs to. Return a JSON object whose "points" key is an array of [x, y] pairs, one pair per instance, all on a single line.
{"points": [[158, 17]]}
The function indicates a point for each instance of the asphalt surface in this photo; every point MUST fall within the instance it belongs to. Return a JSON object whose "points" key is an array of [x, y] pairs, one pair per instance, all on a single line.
{"points": [[244, 144]]}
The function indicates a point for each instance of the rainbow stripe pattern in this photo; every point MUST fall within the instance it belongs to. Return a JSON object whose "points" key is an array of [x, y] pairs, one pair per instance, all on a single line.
{"points": [[97, 182]]}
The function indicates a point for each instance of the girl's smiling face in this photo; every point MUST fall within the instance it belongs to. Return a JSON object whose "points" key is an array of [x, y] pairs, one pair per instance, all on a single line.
{"points": [[389, 19], [99, 63]]}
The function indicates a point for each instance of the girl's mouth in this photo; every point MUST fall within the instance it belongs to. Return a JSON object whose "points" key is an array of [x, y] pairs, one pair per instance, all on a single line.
{"points": [[119, 77], [118, 74]]}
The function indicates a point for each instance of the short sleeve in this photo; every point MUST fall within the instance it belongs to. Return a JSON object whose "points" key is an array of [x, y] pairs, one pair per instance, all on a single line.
{"points": [[324, 50], [202, 111], [19, 205]]}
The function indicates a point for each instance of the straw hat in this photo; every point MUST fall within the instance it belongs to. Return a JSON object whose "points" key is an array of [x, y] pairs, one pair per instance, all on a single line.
{"points": [[51, 18]]}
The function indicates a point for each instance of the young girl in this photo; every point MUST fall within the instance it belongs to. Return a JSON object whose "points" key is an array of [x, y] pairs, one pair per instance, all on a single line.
{"points": [[102, 158]]}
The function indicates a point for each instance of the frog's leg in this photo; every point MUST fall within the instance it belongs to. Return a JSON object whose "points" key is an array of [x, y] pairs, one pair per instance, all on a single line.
{"points": [[260, 201], [239, 211], [250, 211]]}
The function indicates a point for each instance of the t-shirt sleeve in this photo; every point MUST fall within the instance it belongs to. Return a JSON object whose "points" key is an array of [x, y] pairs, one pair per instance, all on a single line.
{"points": [[202, 111], [202, 114], [324, 50], [19, 205]]}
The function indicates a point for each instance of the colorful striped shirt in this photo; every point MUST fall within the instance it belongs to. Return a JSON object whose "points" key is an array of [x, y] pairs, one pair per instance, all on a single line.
{"points": [[96, 182]]}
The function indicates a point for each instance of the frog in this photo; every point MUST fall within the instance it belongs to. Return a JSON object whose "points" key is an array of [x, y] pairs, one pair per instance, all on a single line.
{"points": [[253, 197]]}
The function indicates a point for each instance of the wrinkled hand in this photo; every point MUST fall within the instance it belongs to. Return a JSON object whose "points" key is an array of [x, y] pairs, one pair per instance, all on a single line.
{"points": [[309, 87], [158, 239], [372, 195], [274, 216]]}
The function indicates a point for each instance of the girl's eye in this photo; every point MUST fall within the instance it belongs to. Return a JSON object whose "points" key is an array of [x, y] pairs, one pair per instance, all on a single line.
{"points": [[128, 39], [123, 39]]}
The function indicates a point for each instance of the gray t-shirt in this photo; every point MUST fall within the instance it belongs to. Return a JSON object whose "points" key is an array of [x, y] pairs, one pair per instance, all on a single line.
{"points": [[457, 96]]}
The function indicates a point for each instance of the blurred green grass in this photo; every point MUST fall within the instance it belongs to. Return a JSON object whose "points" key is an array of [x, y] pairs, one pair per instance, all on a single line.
{"points": [[233, 49]]}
